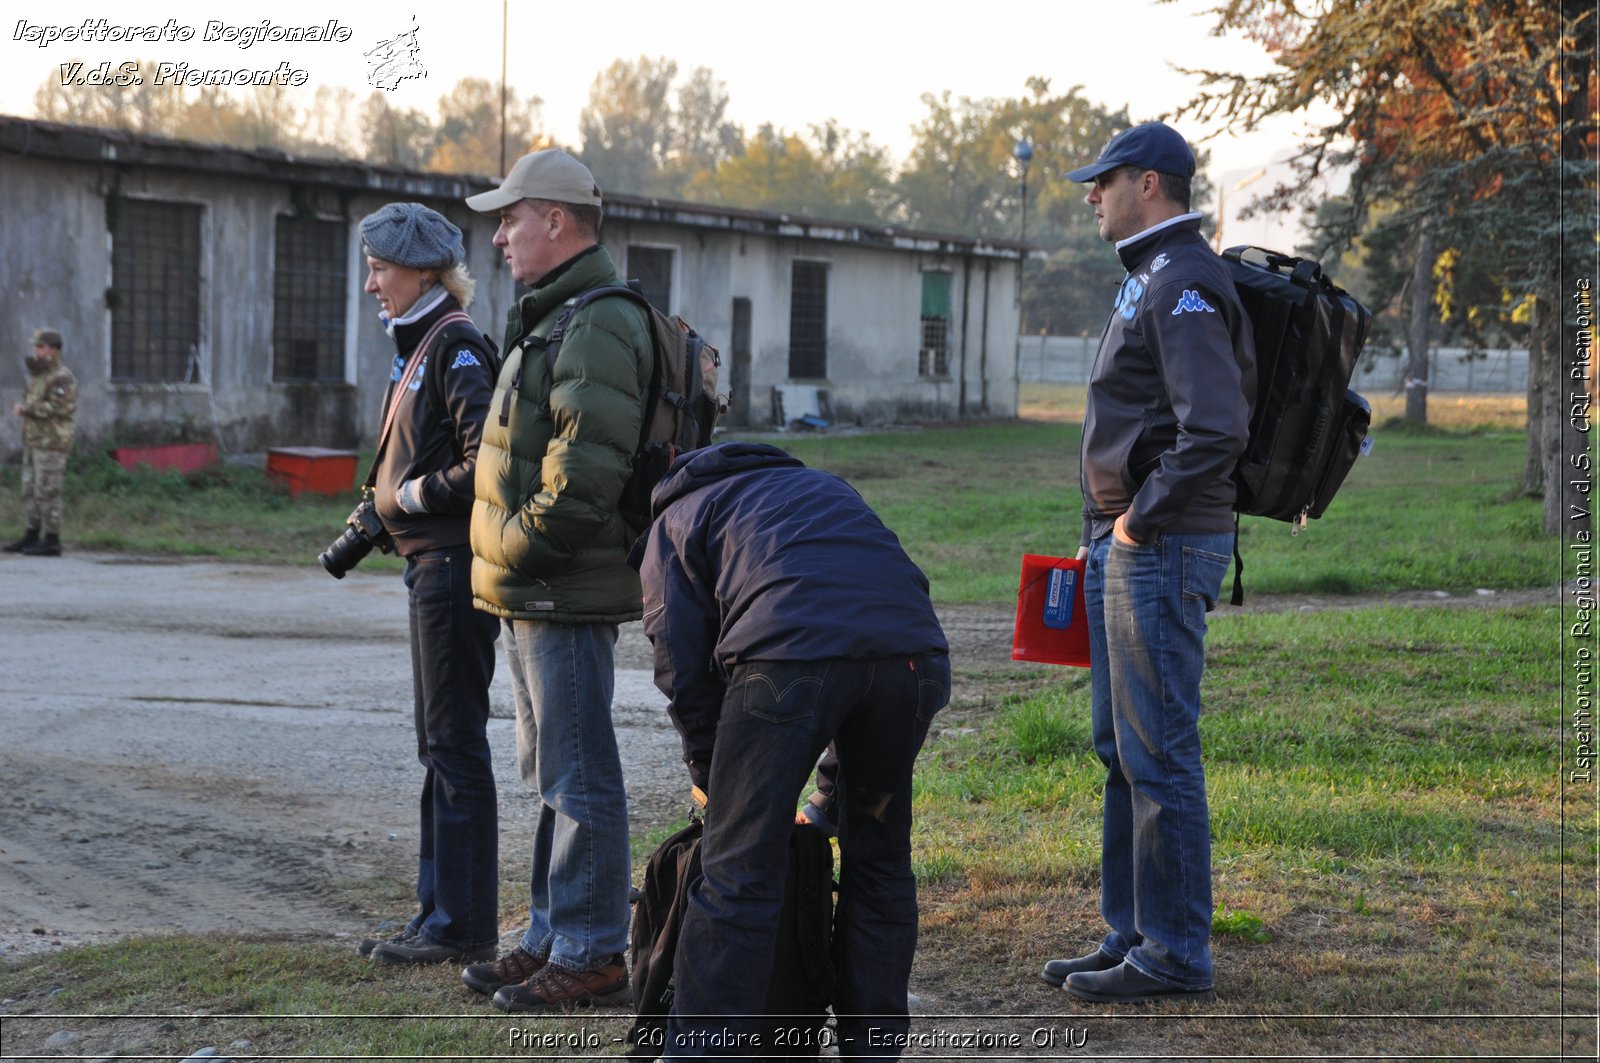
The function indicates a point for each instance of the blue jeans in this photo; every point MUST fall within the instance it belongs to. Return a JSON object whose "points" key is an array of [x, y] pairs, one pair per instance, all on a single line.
{"points": [[1147, 608], [562, 677], [777, 717], [452, 662]]}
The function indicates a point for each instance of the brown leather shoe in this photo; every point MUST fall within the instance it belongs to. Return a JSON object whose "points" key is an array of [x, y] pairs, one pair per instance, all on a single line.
{"points": [[559, 987], [513, 968]]}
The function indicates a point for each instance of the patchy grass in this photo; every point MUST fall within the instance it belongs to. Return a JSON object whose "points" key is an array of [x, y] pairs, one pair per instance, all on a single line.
{"points": [[1431, 511], [1387, 838]]}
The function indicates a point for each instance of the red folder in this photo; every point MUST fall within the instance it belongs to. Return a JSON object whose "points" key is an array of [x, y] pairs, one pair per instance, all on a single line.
{"points": [[1051, 625]]}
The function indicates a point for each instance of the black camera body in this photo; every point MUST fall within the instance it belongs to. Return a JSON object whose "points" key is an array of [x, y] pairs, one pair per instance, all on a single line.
{"points": [[362, 533]]}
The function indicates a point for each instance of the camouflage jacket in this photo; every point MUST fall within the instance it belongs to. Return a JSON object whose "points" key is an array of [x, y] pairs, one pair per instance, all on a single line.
{"points": [[50, 409]]}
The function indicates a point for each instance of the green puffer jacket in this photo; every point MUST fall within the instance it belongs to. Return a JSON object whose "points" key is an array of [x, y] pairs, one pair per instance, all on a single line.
{"points": [[547, 540]]}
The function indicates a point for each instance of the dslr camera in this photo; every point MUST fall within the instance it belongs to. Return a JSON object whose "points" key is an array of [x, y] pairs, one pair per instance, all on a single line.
{"points": [[363, 531]]}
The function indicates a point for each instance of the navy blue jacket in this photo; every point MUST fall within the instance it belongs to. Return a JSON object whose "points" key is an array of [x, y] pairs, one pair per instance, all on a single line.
{"points": [[753, 556], [1170, 393]]}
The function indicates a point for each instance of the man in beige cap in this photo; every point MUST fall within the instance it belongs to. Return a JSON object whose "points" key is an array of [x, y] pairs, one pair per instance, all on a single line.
{"points": [[550, 559], [49, 412]]}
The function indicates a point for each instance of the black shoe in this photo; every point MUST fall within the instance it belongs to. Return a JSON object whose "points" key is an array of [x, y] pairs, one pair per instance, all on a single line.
{"points": [[1056, 971], [29, 538], [365, 946], [1125, 984], [49, 546], [418, 950]]}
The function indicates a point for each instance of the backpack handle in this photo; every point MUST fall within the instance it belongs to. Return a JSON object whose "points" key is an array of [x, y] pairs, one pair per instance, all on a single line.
{"points": [[1302, 271]]}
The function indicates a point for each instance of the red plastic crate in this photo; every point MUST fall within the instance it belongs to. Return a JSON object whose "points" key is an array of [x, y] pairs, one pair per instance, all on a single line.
{"points": [[316, 469]]}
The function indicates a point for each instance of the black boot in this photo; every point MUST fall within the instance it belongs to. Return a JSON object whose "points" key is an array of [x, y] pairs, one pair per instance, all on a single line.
{"points": [[49, 546], [29, 538]]}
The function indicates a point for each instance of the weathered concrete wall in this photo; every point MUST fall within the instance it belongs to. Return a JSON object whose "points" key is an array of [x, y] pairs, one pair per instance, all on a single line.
{"points": [[874, 320]]}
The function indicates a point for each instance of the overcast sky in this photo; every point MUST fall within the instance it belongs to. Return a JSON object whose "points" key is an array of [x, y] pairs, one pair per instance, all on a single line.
{"points": [[864, 63]]}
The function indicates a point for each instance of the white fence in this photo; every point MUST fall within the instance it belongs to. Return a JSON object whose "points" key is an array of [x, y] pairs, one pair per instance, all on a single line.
{"points": [[1067, 360]]}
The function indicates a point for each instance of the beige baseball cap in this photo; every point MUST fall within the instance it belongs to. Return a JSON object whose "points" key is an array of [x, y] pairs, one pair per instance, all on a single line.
{"points": [[549, 174]]}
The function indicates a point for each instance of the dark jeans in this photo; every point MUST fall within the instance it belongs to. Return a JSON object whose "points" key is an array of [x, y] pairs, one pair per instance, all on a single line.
{"points": [[1147, 608], [452, 662], [777, 717]]}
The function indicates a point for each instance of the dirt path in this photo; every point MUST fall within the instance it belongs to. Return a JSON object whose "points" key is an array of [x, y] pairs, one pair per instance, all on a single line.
{"points": [[212, 746]]}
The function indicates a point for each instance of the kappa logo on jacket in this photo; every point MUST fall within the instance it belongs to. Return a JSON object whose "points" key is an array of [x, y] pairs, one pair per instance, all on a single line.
{"points": [[464, 358], [1190, 302]]}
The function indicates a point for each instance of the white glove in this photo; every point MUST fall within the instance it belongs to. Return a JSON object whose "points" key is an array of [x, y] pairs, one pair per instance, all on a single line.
{"points": [[410, 497]]}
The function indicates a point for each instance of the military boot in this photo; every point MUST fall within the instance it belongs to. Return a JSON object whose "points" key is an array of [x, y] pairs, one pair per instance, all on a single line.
{"points": [[49, 546], [29, 538]]}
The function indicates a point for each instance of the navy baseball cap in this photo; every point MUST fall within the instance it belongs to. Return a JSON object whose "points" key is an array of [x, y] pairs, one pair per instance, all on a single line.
{"points": [[1152, 146]]}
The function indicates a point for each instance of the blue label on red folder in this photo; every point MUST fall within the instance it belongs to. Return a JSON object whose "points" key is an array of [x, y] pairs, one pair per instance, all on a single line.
{"points": [[1058, 598]]}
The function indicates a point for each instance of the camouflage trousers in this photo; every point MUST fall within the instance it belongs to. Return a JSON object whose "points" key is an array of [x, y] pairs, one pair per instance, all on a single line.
{"points": [[43, 472]]}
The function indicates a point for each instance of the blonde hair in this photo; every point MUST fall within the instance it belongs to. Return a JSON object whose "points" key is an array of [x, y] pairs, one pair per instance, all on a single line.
{"points": [[459, 283]]}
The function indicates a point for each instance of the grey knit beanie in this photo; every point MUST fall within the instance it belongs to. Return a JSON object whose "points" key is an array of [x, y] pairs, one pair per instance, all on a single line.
{"points": [[409, 234]]}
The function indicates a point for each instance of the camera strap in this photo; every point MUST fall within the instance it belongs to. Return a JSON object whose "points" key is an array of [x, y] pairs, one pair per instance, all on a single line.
{"points": [[413, 365]]}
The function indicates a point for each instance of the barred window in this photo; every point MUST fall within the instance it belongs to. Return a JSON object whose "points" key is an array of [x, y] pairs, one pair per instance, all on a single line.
{"points": [[652, 268], [310, 292], [155, 290], [933, 358], [808, 321]]}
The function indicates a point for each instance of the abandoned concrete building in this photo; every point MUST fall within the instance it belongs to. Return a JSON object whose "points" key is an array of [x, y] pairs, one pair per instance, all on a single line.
{"points": [[211, 293]]}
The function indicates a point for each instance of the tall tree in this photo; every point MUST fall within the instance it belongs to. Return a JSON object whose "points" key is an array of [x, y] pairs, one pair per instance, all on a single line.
{"points": [[627, 125], [702, 137], [394, 137], [962, 176], [1475, 117], [830, 172], [469, 134]]}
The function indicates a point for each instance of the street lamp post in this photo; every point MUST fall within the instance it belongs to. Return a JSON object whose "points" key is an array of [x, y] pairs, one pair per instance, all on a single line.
{"points": [[1023, 153]]}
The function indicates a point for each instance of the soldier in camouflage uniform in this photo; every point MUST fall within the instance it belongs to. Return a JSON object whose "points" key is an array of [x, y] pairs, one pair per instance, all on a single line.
{"points": [[49, 412]]}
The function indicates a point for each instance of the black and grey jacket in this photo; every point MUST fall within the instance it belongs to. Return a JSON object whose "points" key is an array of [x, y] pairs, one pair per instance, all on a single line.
{"points": [[1170, 393], [420, 445]]}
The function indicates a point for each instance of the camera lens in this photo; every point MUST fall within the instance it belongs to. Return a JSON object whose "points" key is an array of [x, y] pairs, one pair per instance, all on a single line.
{"points": [[345, 553]]}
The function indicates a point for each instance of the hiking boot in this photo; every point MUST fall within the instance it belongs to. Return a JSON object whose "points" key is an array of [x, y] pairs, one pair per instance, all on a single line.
{"points": [[29, 538], [49, 546], [557, 987], [419, 950], [365, 946], [514, 968]]}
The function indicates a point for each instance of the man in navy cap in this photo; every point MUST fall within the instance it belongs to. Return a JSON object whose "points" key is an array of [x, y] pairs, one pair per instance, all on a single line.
{"points": [[1168, 415]]}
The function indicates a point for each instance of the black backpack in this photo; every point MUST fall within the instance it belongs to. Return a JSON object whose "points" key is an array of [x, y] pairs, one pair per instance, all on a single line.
{"points": [[681, 406], [1307, 428], [803, 971]]}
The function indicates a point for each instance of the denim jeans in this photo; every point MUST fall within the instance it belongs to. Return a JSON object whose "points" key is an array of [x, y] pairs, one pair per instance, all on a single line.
{"points": [[777, 717], [1147, 608], [562, 677], [452, 662]]}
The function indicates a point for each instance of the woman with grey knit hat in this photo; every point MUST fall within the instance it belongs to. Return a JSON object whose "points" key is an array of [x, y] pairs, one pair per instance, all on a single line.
{"points": [[421, 487]]}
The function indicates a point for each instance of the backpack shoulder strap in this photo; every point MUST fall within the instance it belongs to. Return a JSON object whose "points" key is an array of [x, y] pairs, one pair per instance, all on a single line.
{"points": [[558, 331], [551, 345]]}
